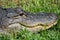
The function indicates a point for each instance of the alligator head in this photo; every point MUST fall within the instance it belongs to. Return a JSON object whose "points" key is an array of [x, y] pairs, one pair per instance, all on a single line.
{"points": [[17, 18]]}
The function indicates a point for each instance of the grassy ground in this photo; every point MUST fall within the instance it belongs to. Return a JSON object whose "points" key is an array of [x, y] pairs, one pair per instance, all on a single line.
{"points": [[35, 6]]}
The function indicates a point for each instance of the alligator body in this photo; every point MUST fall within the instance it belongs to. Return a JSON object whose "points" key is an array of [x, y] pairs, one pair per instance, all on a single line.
{"points": [[11, 18]]}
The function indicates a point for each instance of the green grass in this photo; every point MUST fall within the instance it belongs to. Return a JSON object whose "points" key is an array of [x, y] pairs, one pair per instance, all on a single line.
{"points": [[35, 6]]}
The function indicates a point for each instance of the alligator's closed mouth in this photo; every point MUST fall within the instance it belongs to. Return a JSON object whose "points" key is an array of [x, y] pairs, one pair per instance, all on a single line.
{"points": [[42, 25]]}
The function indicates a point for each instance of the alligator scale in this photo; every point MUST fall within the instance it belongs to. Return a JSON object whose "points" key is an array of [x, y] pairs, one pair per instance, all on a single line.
{"points": [[16, 18]]}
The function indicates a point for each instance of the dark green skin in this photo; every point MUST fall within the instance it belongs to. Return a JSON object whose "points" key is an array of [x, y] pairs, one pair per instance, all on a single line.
{"points": [[10, 16]]}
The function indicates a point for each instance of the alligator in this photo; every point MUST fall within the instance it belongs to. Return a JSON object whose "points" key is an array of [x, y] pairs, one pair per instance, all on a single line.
{"points": [[17, 18]]}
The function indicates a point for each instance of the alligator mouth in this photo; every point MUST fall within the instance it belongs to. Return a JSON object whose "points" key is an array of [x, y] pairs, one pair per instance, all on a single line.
{"points": [[47, 25], [39, 27], [34, 28]]}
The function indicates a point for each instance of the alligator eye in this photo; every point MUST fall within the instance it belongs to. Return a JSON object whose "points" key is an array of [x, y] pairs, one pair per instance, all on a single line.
{"points": [[21, 14]]}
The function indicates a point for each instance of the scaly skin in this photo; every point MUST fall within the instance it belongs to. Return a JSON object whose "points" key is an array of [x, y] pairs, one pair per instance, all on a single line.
{"points": [[16, 18]]}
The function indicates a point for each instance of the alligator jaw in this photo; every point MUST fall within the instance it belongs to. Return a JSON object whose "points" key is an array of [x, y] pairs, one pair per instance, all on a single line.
{"points": [[38, 28], [33, 29]]}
